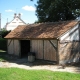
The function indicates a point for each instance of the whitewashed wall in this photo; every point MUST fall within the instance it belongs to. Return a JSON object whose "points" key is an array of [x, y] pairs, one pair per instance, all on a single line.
{"points": [[12, 25], [71, 35]]}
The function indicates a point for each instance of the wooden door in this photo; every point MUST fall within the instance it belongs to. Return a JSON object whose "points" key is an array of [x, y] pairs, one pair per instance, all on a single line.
{"points": [[50, 50], [37, 47]]}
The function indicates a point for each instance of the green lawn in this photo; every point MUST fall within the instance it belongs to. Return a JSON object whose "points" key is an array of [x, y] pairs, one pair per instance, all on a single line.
{"points": [[21, 74]]}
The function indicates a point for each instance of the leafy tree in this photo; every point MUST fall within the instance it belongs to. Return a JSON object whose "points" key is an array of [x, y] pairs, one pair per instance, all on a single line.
{"points": [[4, 33], [55, 10]]}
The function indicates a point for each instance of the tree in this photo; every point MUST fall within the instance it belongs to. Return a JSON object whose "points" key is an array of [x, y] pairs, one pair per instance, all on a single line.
{"points": [[55, 10], [4, 33]]}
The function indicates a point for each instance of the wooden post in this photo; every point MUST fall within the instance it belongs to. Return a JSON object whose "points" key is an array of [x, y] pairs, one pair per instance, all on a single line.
{"points": [[58, 51]]}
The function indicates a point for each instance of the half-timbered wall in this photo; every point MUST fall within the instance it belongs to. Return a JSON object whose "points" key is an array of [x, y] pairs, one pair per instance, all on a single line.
{"points": [[69, 46], [69, 52]]}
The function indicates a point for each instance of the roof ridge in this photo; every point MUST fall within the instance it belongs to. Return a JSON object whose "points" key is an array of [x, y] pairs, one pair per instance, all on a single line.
{"points": [[53, 22]]}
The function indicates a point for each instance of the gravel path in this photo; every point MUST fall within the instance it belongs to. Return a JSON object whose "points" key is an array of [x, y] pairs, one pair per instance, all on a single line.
{"points": [[30, 66]]}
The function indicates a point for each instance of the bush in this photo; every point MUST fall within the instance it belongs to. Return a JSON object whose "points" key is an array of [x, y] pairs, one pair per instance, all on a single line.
{"points": [[3, 44], [4, 33]]}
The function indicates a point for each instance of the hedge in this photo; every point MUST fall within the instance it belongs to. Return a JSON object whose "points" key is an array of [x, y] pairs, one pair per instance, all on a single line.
{"points": [[4, 33], [3, 44]]}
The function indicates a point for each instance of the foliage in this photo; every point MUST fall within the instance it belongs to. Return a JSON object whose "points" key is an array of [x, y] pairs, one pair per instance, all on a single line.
{"points": [[4, 33], [55, 10], [3, 44], [21, 74]]}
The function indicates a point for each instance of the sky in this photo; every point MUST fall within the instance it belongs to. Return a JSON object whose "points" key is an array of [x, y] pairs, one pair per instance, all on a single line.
{"points": [[25, 7]]}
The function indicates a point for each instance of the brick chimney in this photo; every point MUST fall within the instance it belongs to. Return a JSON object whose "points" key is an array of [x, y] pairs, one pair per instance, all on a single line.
{"points": [[19, 15], [15, 15]]}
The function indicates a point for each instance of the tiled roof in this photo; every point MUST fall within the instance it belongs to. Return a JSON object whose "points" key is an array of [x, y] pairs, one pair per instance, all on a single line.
{"points": [[41, 30]]}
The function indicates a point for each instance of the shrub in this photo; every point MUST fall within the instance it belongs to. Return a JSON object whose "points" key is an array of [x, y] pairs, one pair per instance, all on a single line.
{"points": [[3, 44], [4, 33]]}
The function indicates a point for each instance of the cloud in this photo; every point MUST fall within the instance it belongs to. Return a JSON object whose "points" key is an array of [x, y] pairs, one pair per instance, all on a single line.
{"points": [[9, 10], [29, 8]]}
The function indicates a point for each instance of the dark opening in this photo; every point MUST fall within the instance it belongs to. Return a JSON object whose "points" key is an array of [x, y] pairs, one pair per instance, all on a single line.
{"points": [[25, 48]]}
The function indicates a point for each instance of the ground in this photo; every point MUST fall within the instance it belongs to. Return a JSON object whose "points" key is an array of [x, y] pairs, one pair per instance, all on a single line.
{"points": [[8, 61], [38, 64]]}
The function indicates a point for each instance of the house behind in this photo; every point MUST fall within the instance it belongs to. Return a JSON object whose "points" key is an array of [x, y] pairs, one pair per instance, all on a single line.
{"points": [[15, 22]]}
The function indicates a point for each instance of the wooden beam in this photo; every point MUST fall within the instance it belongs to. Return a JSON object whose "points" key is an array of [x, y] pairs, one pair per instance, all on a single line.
{"points": [[10, 42], [58, 51], [53, 45], [43, 49]]}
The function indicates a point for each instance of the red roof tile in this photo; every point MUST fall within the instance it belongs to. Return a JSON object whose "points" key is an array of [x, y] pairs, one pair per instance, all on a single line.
{"points": [[41, 30]]}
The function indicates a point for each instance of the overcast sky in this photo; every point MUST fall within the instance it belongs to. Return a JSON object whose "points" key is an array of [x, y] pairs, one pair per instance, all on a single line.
{"points": [[25, 7]]}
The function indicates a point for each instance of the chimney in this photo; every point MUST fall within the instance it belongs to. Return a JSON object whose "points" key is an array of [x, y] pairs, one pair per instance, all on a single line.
{"points": [[15, 15], [19, 15]]}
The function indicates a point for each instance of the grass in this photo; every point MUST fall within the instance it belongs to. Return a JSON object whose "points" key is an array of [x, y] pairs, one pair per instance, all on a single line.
{"points": [[1, 51], [3, 56], [21, 74]]}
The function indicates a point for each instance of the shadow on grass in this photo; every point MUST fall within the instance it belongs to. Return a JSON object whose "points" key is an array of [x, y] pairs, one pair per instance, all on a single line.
{"points": [[3, 56]]}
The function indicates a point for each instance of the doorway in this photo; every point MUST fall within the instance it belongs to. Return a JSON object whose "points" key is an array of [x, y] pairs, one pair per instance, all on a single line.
{"points": [[25, 48]]}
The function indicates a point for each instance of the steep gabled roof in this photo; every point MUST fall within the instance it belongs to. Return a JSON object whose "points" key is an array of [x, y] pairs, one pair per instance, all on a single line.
{"points": [[21, 19], [41, 30], [18, 18], [15, 22]]}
